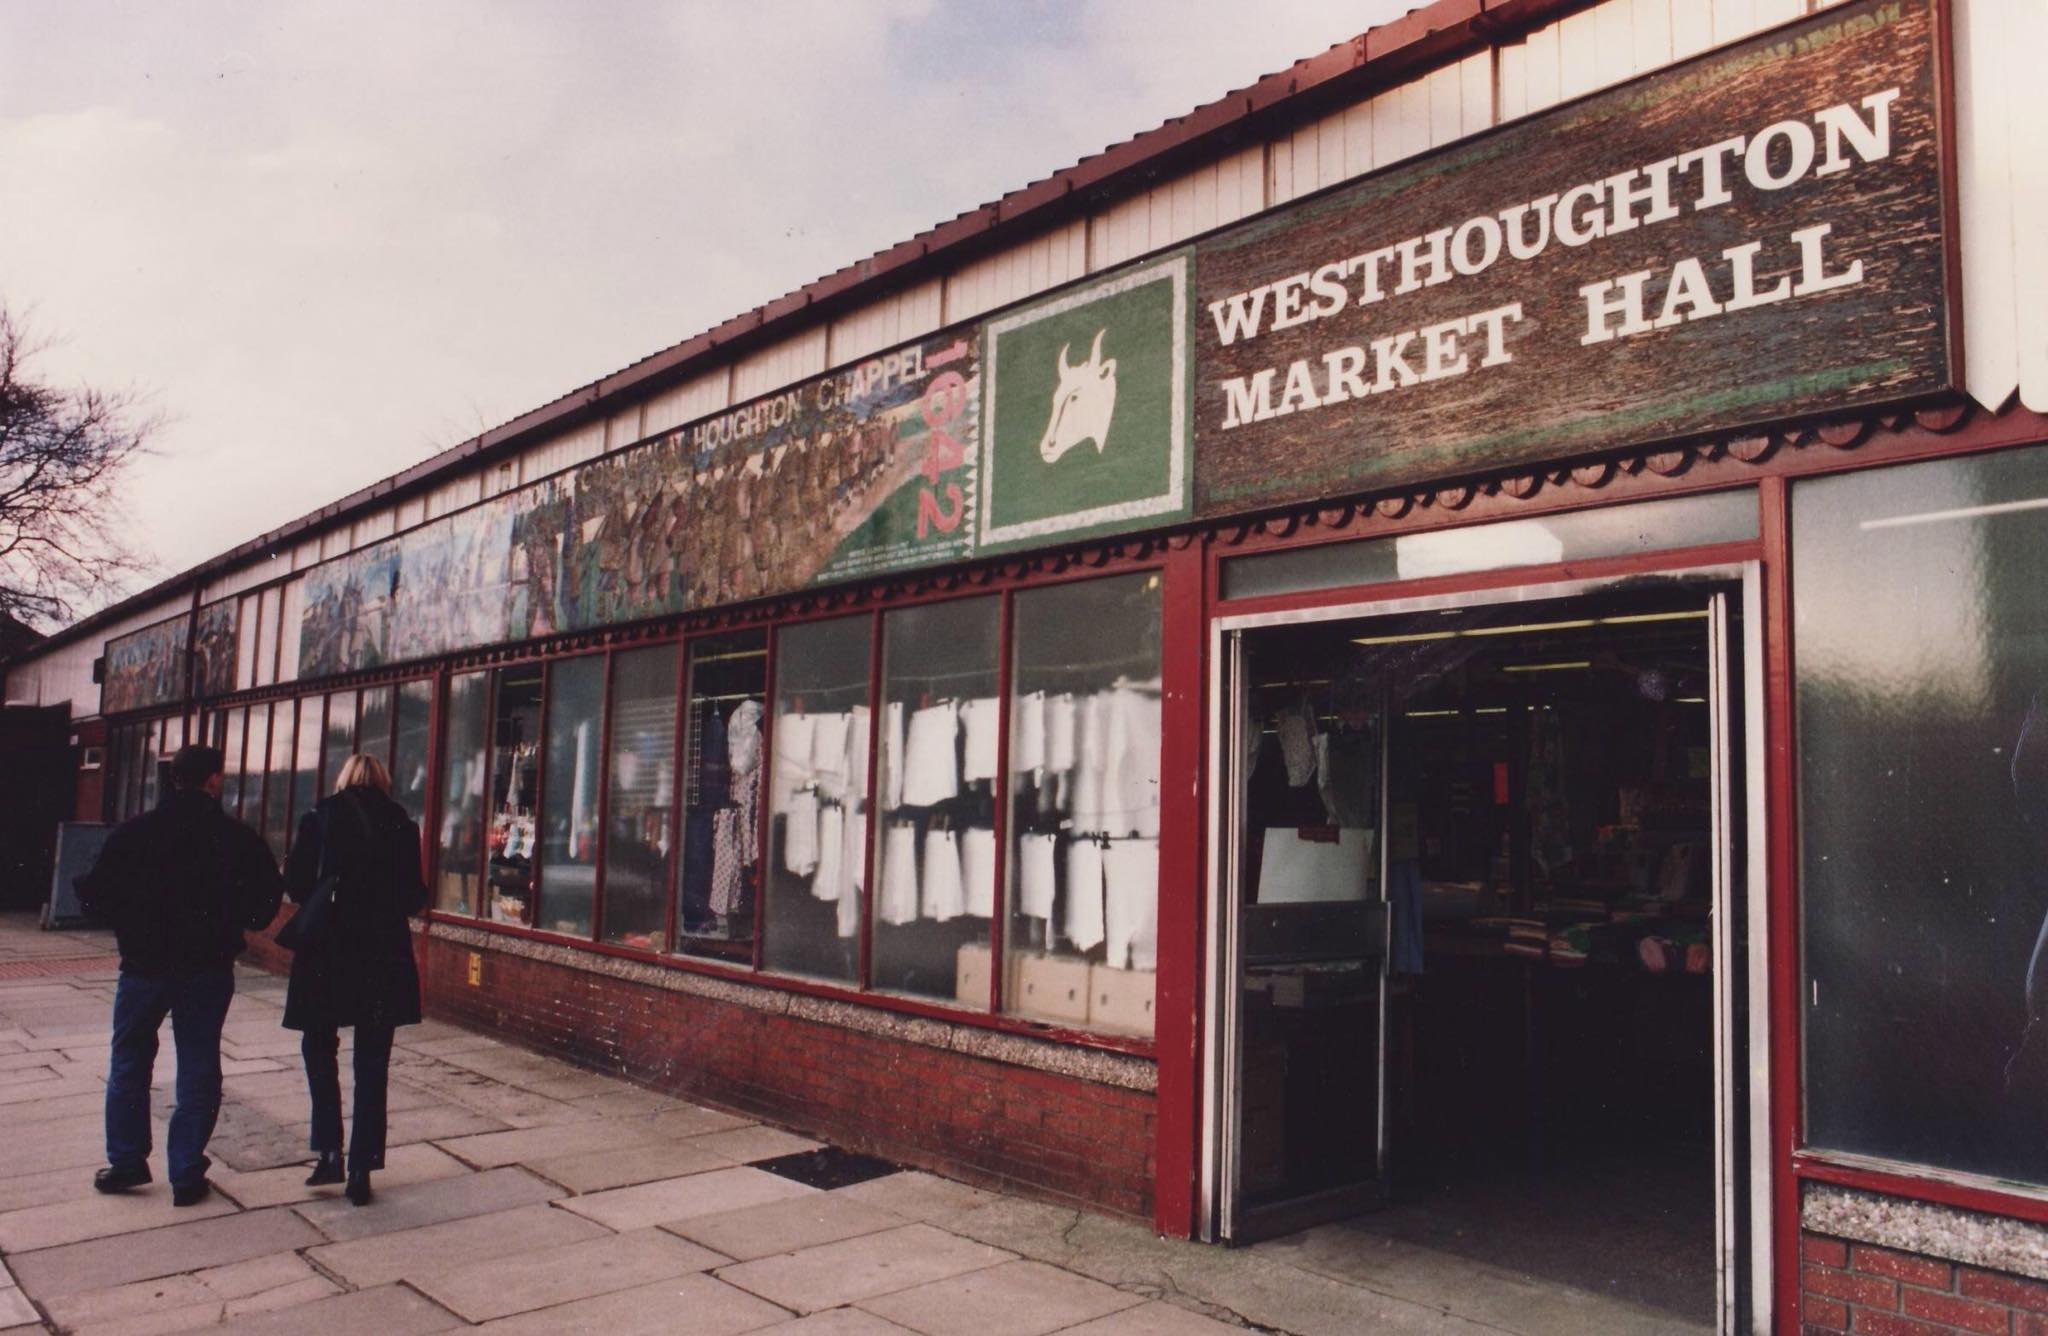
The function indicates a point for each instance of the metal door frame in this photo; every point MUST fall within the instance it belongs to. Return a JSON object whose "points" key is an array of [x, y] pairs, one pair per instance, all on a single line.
{"points": [[1740, 1190]]}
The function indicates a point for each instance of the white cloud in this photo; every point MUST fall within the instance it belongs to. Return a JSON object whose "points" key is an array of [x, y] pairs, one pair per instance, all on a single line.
{"points": [[333, 238]]}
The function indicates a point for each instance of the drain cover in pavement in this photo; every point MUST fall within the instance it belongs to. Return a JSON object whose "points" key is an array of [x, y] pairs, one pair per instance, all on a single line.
{"points": [[829, 1167]]}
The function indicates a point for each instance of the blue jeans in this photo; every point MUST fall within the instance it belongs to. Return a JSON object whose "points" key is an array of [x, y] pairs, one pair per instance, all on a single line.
{"points": [[198, 1006], [320, 1048]]}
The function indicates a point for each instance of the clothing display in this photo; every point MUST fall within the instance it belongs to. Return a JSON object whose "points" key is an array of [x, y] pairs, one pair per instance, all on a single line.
{"points": [[1083, 921], [1091, 755], [1059, 733], [897, 903], [1027, 738], [855, 845], [793, 735], [829, 882], [1035, 879], [979, 720], [1130, 881], [730, 839], [800, 833], [931, 755], [828, 753], [892, 755], [978, 870], [941, 894]]}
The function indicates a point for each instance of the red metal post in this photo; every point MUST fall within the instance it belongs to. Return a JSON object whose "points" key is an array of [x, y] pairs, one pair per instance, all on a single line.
{"points": [[1783, 914]]}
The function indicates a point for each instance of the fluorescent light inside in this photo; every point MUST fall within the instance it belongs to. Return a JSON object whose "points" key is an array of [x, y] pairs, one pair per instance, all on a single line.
{"points": [[1430, 714], [1637, 618], [1575, 624], [1547, 667], [1963, 513], [1692, 700], [1529, 626], [1491, 709], [1407, 639]]}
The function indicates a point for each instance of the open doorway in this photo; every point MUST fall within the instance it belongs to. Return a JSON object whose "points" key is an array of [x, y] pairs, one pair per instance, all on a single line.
{"points": [[1481, 938]]}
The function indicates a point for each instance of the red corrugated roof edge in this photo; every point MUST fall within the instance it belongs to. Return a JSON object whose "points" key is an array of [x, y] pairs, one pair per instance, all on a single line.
{"points": [[1424, 37]]}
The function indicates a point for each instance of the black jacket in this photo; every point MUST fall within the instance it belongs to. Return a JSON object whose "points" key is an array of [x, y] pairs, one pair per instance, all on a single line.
{"points": [[179, 884], [362, 971]]}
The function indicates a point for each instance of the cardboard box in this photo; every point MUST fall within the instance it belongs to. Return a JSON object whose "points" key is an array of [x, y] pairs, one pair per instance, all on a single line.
{"points": [[971, 975], [1050, 988], [1121, 999]]}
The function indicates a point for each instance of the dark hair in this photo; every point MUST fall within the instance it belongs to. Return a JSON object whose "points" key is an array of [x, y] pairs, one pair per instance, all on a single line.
{"points": [[194, 765]]}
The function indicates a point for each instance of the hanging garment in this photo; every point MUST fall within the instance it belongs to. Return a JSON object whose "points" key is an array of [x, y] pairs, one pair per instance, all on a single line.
{"points": [[1035, 875], [1297, 730], [714, 770], [931, 755], [942, 898], [978, 870], [699, 843], [800, 833], [892, 755], [743, 754], [830, 881], [1084, 894], [1404, 897], [1059, 732], [1130, 788], [1130, 885], [898, 902], [859, 728], [978, 720], [728, 875], [1091, 755], [855, 853], [1027, 735], [792, 768], [828, 753]]}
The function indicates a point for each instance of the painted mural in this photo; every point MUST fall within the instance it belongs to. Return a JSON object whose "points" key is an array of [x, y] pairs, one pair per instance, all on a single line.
{"points": [[213, 649], [146, 668]]}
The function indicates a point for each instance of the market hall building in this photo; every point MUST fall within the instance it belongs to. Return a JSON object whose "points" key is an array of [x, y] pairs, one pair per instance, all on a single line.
{"points": [[1455, 640]]}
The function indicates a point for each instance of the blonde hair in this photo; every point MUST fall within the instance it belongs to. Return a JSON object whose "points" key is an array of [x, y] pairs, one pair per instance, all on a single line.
{"points": [[361, 769]]}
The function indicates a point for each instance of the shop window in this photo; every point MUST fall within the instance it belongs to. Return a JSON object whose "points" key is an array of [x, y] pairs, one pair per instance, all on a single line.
{"points": [[373, 734], [462, 793], [246, 638], [306, 760], [572, 772], [640, 797], [146, 769], [340, 739], [510, 838], [1083, 870], [266, 638], [237, 722], [1612, 531], [723, 781], [818, 799], [293, 600], [277, 779], [1920, 608], [935, 860], [409, 747]]}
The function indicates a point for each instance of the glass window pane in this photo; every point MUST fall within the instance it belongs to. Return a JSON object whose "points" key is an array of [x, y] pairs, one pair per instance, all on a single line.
{"points": [[306, 761], [514, 775], [462, 793], [1083, 866], [1614, 531], [816, 790], [571, 778], [409, 757], [722, 778], [288, 632], [935, 863], [277, 780], [266, 637], [152, 781], [641, 799], [245, 645], [1920, 605], [373, 734], [231, 754], [341, 737]]}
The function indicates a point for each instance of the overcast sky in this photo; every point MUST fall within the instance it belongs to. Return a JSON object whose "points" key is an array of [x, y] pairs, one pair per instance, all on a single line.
{"points": [[333, 238]]}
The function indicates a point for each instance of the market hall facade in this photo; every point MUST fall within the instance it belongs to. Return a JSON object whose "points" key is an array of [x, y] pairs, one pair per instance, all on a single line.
{"points": [[1453, 641]]}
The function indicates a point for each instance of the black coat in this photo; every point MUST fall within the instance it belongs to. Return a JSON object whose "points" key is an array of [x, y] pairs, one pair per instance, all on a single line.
{"points": [[362, 971], [179, 884]]}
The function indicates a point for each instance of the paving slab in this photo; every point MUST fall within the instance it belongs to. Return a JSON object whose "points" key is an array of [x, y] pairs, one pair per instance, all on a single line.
{"points": [[915, 1195], [497, 1148], [863, 1268], [545, 1278], [594, 1171], [416, 1204], [203, 1298], [840, 1322], [1157, 1318], [102, 1263], [388, 1310], [436, 1122], [16, 1310], [21, 1190], [67, 1109], [440, 1045], [410, 1254], [785, 1226], [1013, 1299], [698, 1305], [628, 1100], [679, 1198], [417, 1163], [99, 1215], [745, 1145], [571, 1085]]}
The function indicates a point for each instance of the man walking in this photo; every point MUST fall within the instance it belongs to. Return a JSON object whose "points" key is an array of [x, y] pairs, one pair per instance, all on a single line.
{"points": [[179, 885]]}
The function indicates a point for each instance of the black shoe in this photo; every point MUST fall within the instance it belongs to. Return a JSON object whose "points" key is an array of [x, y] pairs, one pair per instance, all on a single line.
{"points": [[190, 1194], [327, 1169], [358, 1189], [113, 1178]]}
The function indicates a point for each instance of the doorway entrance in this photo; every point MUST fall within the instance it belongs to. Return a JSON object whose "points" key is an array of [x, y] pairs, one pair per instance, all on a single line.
{"points": [[1482, 960]]}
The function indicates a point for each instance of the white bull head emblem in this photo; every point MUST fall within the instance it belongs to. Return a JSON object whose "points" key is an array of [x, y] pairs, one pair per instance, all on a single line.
{"points": [[1081, 403]]}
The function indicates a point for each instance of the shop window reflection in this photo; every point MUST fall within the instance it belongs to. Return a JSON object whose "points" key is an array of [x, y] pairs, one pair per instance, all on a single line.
{"points": [[231, 762], [374, 732], [514, 777], [409, 749], [277, 778], [638, 837], [935, 864], [1081, 936], [720, 876], [818, 799], [340, 737], [462, 793], [306, 761], [570, 777]]}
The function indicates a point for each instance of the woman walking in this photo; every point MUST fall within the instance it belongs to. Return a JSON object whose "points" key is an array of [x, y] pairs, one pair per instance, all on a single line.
{"points": [[361, 852]]}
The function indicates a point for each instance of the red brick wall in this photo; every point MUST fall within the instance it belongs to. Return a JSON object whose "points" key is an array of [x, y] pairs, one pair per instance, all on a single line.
{"points": [[1857, 1288], [984, 1122]]}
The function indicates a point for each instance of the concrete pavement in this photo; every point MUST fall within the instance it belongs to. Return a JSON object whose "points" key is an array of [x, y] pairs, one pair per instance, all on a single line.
{"points": [[523, 1194]]}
